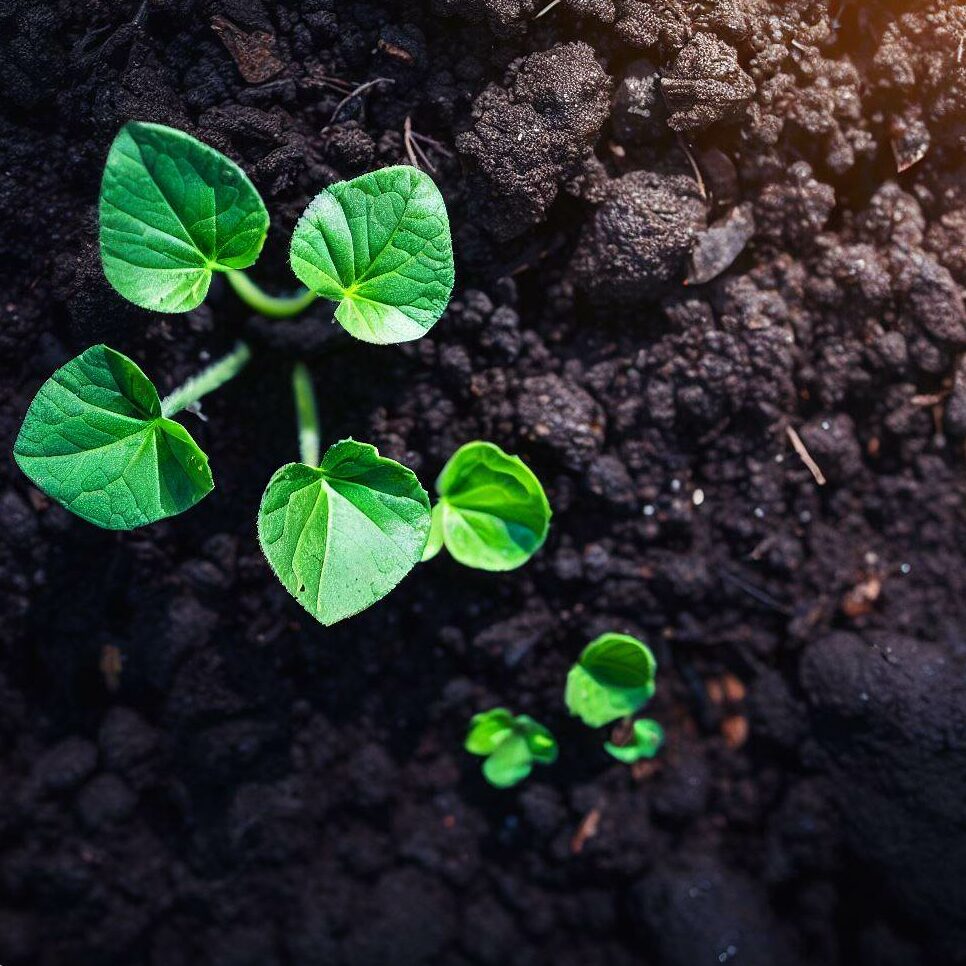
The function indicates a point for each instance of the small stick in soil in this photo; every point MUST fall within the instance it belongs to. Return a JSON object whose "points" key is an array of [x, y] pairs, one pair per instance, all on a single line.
{"points": [[413, 148], [806, 457], [433, 143], [547, 9], [361, 89], [694, 167], [586, 830]]}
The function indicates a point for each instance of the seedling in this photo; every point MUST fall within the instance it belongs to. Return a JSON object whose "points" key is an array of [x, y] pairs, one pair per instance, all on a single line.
{"points": [[613, 678], [511, 745], [174, 210], [98, 440], [646, 739], [342, 533], [492, 512]]}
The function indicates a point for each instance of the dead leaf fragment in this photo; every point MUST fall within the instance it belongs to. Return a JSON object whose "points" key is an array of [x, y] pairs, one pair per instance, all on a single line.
{"points": [[720, 244], [860, 599], [735, 731], [586, 830], [910, 141], [255, 54]]}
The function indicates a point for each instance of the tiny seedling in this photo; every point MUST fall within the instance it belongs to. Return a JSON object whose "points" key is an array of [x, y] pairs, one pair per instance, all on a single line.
{"points": [[613, 678], [492, 512], [647, 737], [173, 210], [340, 533], [511, 745], [98, 439]]}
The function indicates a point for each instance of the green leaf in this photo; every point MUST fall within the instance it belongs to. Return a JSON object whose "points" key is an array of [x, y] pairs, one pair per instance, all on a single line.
{"points": [[344, 534], [173, 210], [493, 512], [380, 246], [511, 745], [614, 677], [646, 741], [95, 441]]}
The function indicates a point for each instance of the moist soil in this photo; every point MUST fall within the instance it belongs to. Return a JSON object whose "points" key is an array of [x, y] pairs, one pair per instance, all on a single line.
{"points": [[759, 471]]}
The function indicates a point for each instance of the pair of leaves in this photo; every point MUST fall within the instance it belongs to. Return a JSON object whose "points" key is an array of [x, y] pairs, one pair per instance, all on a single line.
{"points": [[613, 678], [95, 440], [511, 744], [174, 210], [492, 512]]}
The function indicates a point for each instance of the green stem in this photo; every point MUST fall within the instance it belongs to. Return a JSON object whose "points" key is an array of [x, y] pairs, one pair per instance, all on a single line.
{"points": [[208, 380], [274, 306], [307, 413]]}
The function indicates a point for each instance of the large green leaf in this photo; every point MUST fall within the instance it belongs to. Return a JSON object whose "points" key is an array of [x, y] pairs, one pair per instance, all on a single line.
{"points": [[340, 536], [614, 677], [172, 211], [95, 441], [511, 745], [492, 512], [380, 246]]}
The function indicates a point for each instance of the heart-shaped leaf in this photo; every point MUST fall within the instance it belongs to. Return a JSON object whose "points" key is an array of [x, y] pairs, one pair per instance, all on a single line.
{"points": [[492, 512], [614, 677], [342, 535], [94, 440], [380, 246], [172, 211]]}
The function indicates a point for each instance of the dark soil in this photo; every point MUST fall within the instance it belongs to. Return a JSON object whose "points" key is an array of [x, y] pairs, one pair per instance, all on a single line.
{"points": [[193, 771]]}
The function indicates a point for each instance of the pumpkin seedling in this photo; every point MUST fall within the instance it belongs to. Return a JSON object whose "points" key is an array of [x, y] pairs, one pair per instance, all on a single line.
{"points": [[173, 210], [492, 512], [511, 745], [340, 533], [99, 440]]}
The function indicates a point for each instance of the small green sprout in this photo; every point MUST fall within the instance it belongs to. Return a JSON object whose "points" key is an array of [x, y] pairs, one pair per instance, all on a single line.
{"points": [[380, 246], [173, 210], [492, 512], [342, 533], [613, 677], [511, 744], [98, 440], [646, 740]]}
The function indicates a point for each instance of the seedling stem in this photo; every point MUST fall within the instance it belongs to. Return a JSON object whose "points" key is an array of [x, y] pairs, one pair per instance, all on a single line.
{"points": [[307, 413], [206, 381], [273, 306]]}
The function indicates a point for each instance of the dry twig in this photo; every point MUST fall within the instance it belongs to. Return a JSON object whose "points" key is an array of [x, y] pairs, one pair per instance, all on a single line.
{"points": [[806, 457]]}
